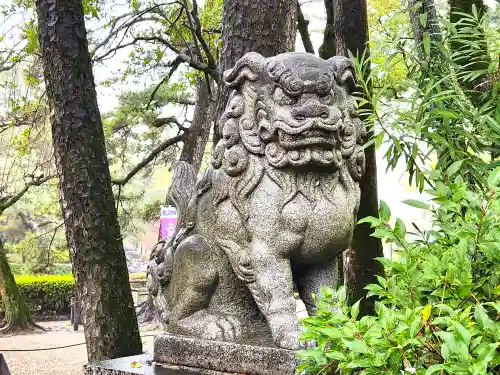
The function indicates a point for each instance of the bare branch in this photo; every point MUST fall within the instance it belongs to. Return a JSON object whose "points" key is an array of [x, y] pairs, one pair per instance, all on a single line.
{"points": [[154, 153], [9, 200], [173, 67]]}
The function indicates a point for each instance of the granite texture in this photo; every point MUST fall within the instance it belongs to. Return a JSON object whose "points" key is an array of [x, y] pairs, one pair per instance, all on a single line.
{"points": [[220, 356], [276, 208]]}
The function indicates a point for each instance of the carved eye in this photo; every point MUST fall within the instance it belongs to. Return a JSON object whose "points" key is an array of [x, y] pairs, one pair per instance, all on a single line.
{"points": [[327, 99], [283, 99]]}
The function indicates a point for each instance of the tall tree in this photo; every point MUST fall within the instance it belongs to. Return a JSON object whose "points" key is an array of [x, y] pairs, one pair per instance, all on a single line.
{"points": [[264, 26], [196, 139], [87, 203], [351, 34]]}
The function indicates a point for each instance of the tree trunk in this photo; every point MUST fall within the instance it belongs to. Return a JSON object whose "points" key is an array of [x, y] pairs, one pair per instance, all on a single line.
{"points": [[303, 28], [87, 203], [327, 49], [17, 315], [351, 34], [268, 27], [195, 142], [427, 7]]}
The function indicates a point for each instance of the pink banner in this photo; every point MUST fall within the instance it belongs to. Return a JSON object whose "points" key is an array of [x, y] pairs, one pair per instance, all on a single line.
{"points": [[168, 220]]}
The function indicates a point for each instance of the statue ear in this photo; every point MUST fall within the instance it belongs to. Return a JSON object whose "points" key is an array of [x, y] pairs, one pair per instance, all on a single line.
{"points": [[344, 71], [249, 67]]}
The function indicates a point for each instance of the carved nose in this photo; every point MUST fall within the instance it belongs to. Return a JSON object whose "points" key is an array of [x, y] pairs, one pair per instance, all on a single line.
{"points": [[311, 109]]}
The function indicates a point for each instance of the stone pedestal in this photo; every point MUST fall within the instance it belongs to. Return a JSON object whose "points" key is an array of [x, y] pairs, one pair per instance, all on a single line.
{"points": [[218, 358], [122, 366]]}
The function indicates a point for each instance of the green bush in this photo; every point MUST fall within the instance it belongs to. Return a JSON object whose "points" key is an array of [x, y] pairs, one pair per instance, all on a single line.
{"points": [[62, 269], [47, 294], [18, 268], [137, 276], [438, 305]]}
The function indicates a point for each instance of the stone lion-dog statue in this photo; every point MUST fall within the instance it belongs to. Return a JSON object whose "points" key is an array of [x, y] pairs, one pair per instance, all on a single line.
{"points": [[277, 206]]}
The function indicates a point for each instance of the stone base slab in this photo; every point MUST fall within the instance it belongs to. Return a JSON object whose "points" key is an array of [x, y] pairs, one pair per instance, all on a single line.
{"points": [[122, 366], [218, 357]]}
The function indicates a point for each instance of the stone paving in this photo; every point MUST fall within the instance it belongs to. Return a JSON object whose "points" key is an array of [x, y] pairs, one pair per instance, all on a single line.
{"points": [[68, 361]]}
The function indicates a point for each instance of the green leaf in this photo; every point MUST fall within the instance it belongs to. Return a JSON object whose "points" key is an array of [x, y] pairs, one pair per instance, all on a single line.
{"points": [[341, 295], [379, 139], [494, 178], [452, 169], [336, 356], [355, 345], [373, 221], [414, 327], [433, 369], [382, 233], [416, 204], [355, 310], [487, 353], [400, 229], [373, 290], [427, 43], [384, 211], [462, 333], [423, 19], [482, 318]]}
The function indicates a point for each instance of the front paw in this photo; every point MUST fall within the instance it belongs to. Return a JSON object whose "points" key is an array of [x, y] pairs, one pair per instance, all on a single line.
{"points": [[289, 340], [222, 329]]}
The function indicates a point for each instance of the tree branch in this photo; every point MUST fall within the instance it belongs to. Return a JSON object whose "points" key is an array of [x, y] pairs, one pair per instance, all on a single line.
{"points": [[154, 153], [9, 200], [173, 67], [303, 27]]}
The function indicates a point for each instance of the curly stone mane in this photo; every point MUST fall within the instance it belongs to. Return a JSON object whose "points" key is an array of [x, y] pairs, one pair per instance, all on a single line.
{"points": [[252, 144]]}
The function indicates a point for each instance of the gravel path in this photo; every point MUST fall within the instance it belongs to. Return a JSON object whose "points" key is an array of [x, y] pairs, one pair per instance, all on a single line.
{"points": [[68, 361]]}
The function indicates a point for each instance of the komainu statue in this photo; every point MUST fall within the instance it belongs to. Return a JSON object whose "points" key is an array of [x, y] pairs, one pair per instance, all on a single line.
{"points": [[276, 208]]}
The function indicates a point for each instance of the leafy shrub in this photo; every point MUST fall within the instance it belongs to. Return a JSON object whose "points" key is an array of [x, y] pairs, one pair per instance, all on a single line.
{"points": [[137, 276], [437, 309], [47, 294], [17, 268], [62, 269]]}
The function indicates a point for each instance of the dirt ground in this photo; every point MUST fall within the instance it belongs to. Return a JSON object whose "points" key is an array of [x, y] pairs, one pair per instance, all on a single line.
{"points": [[68, 361]]}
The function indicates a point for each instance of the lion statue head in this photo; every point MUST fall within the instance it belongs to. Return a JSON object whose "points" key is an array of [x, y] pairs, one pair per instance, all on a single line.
{"points": [[294, 110]]}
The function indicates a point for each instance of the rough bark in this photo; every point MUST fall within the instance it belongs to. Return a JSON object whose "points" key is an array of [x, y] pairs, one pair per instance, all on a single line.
{"points": [[303, 27], [327, 49], [199, 131], [351, 34], [417, 8], [87, 203], [17, 316], [264, 26]]}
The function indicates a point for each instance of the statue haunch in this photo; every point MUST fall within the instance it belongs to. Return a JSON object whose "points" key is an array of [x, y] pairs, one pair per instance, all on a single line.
{"points": [[277, 207]]}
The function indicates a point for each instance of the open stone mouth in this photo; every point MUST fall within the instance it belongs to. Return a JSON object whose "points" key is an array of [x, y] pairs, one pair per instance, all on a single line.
{"points": [[316, 137]]}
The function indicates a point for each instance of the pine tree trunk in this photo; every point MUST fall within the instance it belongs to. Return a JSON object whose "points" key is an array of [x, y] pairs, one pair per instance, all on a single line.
{"points": [[351, 34], [427, 7], [87, 203], [199, 131], [17, 315], [268, 27]]}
